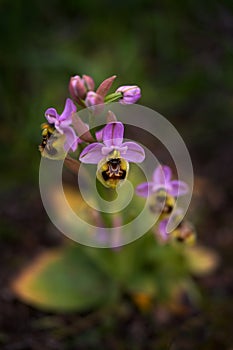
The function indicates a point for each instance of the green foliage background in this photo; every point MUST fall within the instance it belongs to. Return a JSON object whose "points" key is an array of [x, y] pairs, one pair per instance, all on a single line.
{"points": [[180, 53]]}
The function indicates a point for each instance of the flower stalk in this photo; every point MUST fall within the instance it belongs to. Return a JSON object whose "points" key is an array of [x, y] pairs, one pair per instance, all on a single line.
{"points": [[66, 133]]}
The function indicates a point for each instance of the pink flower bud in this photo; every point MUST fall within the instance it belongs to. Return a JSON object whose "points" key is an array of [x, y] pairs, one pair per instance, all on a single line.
{"points": [[89, 82], [79, 87], [105, 86], [95, 102], [130, 94]]}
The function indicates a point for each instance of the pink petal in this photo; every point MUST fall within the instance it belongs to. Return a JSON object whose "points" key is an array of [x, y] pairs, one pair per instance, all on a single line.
{"points": [[68, 110], [51, 115], [66, 122], [58, 127], [91, 154], [106, 150], [99, 135], [178, 188], [113, 134], [135, 153], [162, 174], [71, 139], [144, 189], [162, 230]]}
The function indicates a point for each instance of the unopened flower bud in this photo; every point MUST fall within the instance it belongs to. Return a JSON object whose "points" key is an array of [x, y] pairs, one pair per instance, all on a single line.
{"points": [[89, 82], [105, 86], [95, 102], [79, 87], [110, 118], [130, 94]]}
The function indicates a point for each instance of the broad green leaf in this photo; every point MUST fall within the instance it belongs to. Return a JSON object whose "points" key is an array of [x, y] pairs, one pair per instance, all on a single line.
{"points": [[64, 280]]}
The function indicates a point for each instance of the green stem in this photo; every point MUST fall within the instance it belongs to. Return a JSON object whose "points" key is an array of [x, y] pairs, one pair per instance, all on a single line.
{"points": [[113, 97]]}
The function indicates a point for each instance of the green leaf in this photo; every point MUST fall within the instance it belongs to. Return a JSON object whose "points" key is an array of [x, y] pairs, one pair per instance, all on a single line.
{"points": [[64, 280]]}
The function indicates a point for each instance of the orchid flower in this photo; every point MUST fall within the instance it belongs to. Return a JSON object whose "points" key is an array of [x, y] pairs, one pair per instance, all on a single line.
{"points": [[161, 179], [62, 123], [112, 155]]}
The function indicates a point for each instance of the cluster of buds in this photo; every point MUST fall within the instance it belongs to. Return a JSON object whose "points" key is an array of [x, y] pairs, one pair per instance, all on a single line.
{"points": [[66, 133], [79, 87], [59, 132], [82, 92]]}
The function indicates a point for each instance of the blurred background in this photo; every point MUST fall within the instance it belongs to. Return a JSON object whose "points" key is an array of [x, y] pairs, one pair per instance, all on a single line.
{"points": [[181, 55]]}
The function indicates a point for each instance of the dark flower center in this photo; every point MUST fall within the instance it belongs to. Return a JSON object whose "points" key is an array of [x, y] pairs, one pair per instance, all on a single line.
{"points": [[114, 170]]}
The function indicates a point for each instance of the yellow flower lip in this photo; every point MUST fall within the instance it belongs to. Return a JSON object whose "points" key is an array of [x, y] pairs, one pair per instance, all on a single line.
{"points": [[161, 202], [184, 233], [52, 145], [112, 170]]}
